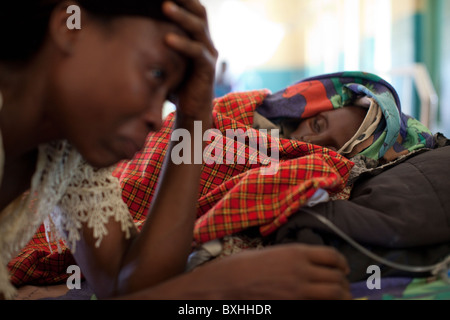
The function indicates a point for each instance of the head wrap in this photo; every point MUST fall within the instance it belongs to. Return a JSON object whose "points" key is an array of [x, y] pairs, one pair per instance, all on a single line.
{"points": [[395, 134]]}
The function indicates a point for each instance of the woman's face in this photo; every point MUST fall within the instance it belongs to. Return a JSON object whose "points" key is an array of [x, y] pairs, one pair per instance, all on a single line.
{"points": [[108, 93], [331, 129]]}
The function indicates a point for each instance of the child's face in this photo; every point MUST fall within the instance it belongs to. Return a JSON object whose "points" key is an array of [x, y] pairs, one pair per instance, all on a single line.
{"points": [[331, 129]]}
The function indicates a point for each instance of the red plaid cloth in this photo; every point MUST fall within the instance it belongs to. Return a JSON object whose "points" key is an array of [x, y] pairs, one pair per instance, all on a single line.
{"points": [[233, 197], [38, 265]]}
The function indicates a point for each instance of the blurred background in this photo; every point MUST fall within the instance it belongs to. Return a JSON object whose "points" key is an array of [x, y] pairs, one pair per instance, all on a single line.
{"points": [[274, 43]]}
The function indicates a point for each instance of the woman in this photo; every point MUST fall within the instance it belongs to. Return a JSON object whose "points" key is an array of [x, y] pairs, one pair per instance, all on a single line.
{"points": [[74, 103]]}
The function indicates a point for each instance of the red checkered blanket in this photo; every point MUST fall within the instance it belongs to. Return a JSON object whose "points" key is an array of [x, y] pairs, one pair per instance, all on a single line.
{"points": [[37, 264], [240, 194], [233, 195]]}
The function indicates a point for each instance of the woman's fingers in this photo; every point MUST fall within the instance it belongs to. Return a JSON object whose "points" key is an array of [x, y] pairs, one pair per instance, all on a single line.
{"points": [[192, 18], [189, 48], [325, 272], [193, 6], [327, 257], [196, 94]]}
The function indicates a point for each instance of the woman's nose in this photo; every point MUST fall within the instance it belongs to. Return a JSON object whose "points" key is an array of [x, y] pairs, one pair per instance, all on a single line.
{"points": [[153, 116]]}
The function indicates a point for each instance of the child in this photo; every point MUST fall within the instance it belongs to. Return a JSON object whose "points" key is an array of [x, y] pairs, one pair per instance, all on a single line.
{"points": [[385, 134]]}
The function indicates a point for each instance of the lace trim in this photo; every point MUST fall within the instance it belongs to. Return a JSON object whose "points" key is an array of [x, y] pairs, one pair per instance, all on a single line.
{"points": [[81, 195], [93, 198]]}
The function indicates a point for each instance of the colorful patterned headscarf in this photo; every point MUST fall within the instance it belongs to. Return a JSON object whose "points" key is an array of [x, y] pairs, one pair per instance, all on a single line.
{"points": [[397, 134]]}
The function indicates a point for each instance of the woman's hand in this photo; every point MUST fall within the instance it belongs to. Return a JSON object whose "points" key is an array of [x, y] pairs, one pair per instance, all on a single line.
{"points": [[298, 272], [194, 100], [288, 272]]}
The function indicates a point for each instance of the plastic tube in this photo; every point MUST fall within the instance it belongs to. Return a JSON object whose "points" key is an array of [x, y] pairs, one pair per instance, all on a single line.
{"points": [[441, 269]]}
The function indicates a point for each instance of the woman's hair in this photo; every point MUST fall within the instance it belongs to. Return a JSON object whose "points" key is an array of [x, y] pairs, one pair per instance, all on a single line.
{"points": [[24, 23]]}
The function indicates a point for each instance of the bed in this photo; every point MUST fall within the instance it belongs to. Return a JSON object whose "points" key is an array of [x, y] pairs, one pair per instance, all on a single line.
{"points": [[395, 288], [404, 289], [410, 226]]}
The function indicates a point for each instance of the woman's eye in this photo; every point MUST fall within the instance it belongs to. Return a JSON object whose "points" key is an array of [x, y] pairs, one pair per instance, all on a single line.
{"points": [[157, 74]]}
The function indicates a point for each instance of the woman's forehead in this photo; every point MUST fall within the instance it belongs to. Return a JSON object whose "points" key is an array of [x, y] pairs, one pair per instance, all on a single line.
{"points": [[149, 36]]}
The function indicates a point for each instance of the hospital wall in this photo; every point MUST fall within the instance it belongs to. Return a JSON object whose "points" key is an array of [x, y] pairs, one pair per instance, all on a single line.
{"points": [[323, 36]]}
